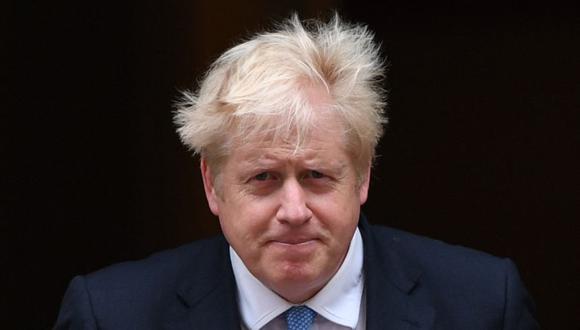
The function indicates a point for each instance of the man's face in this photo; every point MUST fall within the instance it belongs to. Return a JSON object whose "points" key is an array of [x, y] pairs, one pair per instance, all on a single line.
{"points": [[289, 215]]}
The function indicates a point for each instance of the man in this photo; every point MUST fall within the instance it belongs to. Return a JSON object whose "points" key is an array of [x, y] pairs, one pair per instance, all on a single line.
{"points": [[286, 126]]}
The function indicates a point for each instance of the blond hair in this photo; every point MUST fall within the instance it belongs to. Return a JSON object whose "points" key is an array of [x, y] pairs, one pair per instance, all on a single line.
{"points": [[260, 86]]}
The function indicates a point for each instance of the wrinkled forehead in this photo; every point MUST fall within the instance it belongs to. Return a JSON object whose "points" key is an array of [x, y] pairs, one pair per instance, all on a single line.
{"points": [[263, 149], [285, 134], [319, 149]]}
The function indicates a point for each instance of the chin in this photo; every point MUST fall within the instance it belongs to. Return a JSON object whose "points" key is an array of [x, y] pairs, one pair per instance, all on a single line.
{"points": [[288, 271], [296, 284], [298, 275]]}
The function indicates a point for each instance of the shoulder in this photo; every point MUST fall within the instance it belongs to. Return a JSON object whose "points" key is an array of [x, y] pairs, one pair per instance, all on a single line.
{"points": [[151, 283], [133, 294], [464, 285], [431, 252], [444, 270], [157, 271]]}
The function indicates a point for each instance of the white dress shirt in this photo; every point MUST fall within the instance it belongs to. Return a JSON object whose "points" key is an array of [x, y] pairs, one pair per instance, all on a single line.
{"points": [[340, 304]]}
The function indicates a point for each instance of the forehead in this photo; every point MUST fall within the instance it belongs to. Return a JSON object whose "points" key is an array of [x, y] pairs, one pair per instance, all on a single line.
{"points": [[320, 144], [313, 146]]}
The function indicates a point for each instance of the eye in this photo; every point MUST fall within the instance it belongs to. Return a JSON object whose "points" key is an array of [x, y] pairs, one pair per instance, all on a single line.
{"points": [[315, 175], [263, 176]]}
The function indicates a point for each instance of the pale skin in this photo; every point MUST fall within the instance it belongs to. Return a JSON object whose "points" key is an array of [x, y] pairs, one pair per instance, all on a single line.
{"points": [[289, 215]]}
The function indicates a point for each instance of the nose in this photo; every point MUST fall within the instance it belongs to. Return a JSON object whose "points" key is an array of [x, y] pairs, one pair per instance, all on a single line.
{"points": [[293, 208]]}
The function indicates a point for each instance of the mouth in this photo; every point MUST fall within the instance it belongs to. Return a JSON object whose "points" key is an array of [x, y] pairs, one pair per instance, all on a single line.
{"points": [[297, 247], [294, 240], [294, 249]]}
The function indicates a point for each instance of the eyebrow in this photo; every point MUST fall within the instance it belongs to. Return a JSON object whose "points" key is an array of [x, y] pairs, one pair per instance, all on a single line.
{"points": [[334, 166]]}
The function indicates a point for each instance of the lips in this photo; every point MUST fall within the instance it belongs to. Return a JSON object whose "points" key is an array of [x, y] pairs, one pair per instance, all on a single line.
{"points": [[294, 240], [295, 248]]}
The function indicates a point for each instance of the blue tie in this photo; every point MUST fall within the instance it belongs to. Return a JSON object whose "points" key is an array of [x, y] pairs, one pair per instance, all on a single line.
{"points": [[300, 318]]}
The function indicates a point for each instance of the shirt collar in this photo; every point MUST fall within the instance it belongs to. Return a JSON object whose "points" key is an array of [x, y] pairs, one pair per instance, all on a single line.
{"points": [[339, 300]]}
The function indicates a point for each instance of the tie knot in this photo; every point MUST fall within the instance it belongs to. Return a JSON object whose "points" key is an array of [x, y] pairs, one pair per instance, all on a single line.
{"points": [[300, 318]]}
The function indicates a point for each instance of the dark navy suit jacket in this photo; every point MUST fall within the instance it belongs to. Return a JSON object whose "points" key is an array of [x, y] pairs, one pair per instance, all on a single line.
{"points": [[411, 282]]}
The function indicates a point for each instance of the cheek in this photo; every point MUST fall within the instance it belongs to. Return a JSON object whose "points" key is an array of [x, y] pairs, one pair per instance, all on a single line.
{"points": [[341, 205], [244, 221], [339, 217]]}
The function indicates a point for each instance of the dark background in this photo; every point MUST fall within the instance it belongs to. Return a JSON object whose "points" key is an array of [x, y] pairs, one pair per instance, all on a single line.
{"points": [[481, 149]]}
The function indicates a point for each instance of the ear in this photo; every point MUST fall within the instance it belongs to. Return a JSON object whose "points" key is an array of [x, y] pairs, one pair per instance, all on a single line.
{"points": [[210, 192], [364, 186]]}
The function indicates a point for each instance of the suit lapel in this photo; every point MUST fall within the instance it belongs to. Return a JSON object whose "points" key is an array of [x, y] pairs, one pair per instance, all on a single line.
{"points": [[393, 298], [206, 297]]}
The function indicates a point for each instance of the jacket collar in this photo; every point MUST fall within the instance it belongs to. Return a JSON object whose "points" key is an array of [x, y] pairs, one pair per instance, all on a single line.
{"points": [[206, 292], [207, 287], [391, 282]]}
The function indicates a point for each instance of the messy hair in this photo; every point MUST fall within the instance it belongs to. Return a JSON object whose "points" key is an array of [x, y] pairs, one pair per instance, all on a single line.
{"points": [[259, 88]]}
